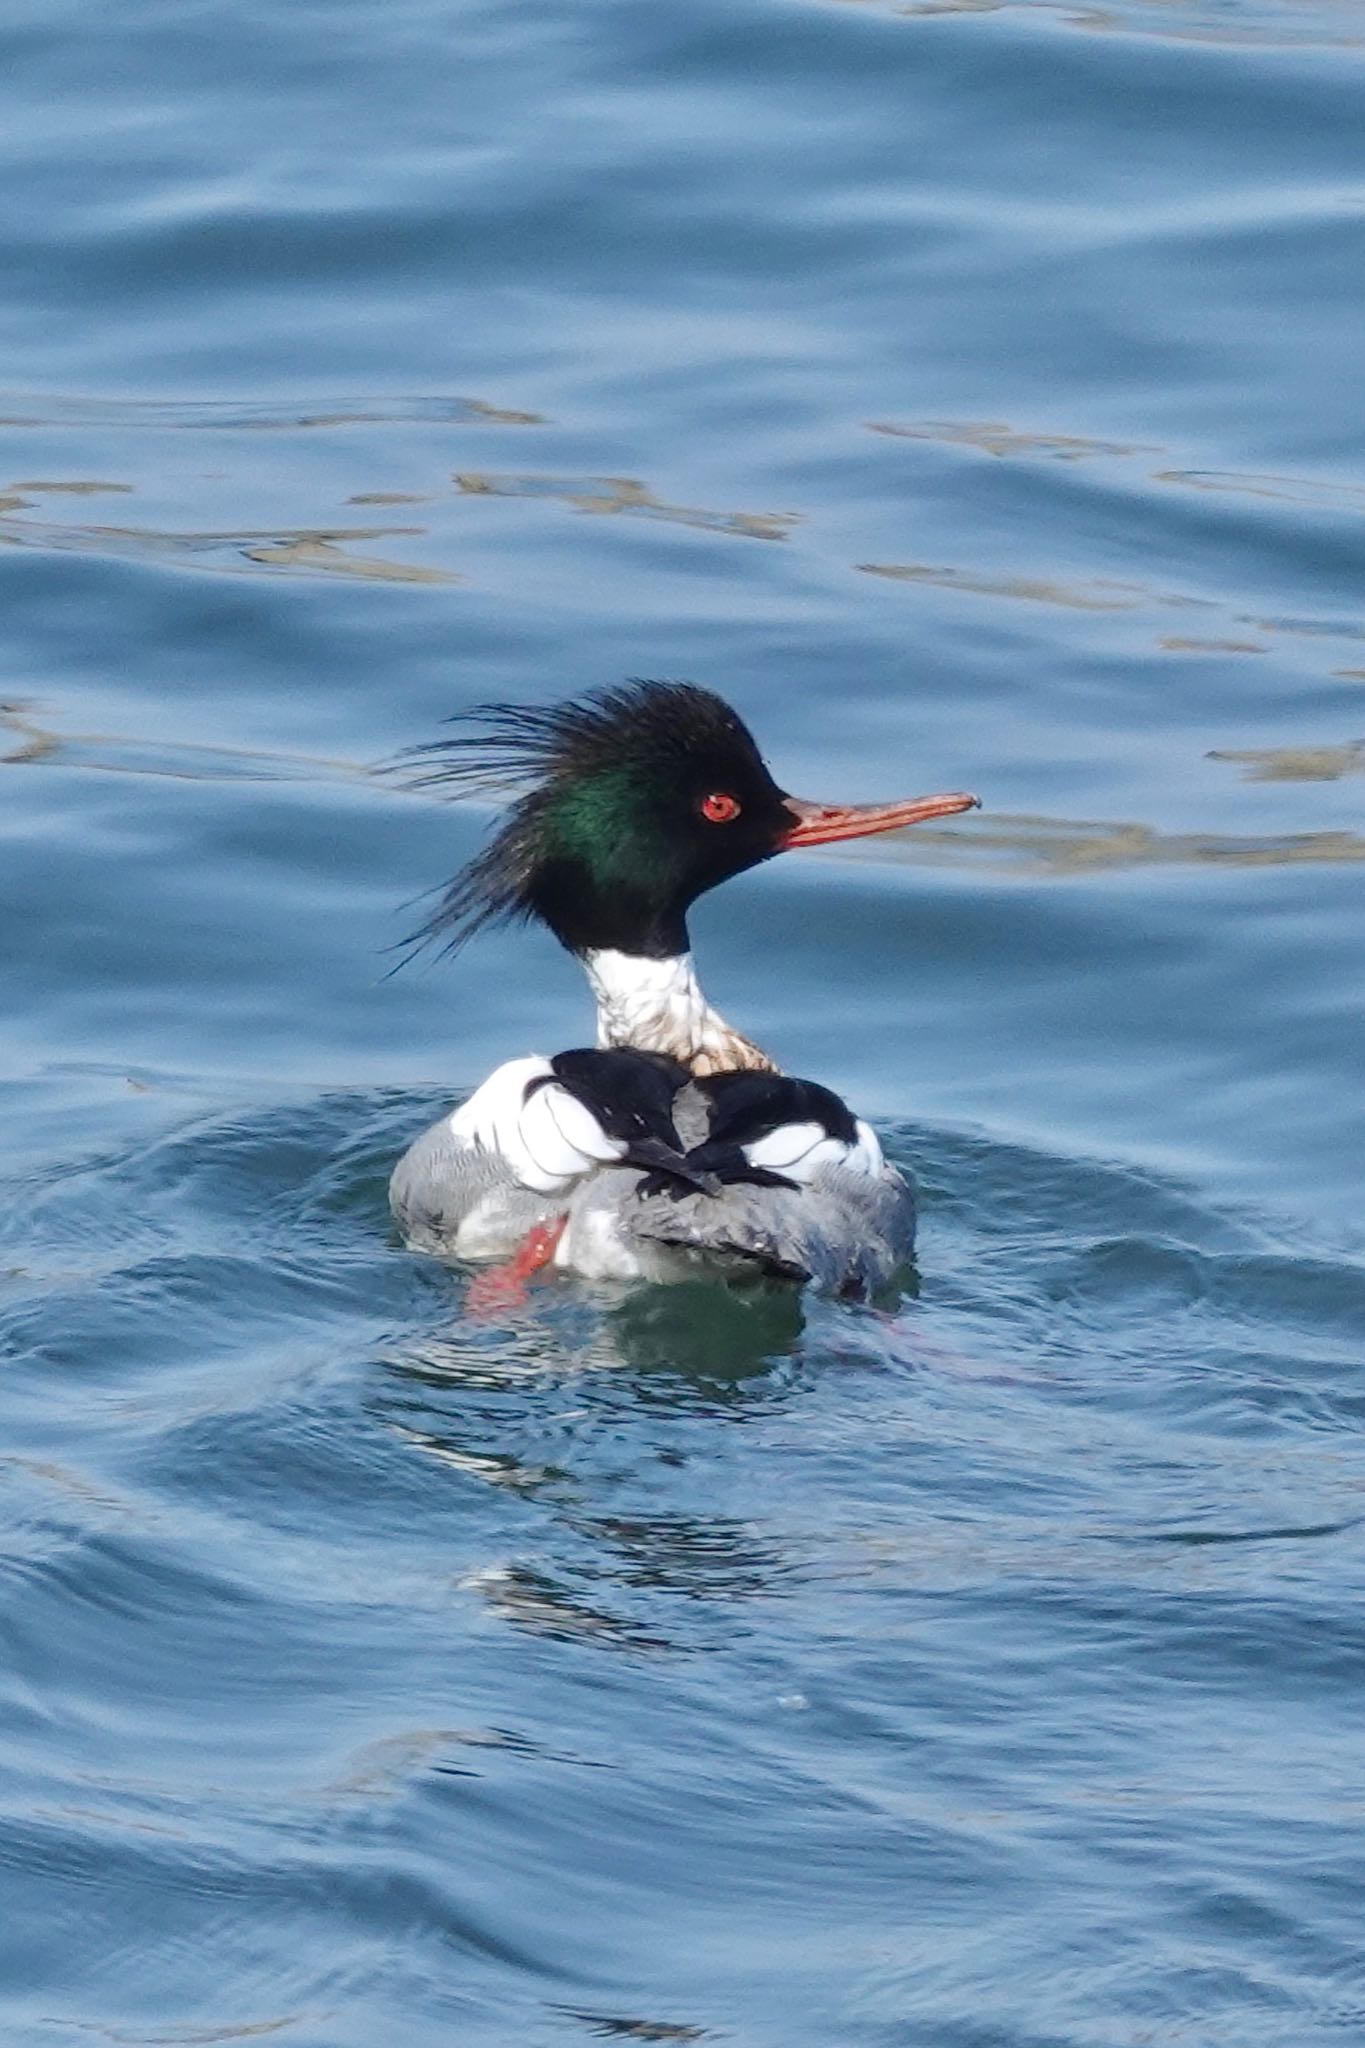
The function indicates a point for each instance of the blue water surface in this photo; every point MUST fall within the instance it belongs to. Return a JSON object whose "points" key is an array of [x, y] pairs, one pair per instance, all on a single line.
{"points": [[970, 390]]}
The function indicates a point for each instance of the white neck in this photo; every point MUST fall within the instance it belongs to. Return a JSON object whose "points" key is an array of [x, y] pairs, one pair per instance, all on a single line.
{"points": [[657, 1006]]}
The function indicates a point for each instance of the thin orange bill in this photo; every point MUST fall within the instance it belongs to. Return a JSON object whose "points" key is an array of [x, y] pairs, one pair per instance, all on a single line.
{"points": [[817, 824]]}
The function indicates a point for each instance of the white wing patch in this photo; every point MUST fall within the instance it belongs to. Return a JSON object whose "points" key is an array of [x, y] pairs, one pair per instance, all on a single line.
{"points": [[800, 1150], [868, 1150], [553, 1139], [548, 1142]]}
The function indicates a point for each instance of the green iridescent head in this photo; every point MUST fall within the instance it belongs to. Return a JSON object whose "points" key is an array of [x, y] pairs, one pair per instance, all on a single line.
{"points": [[641, 797]]}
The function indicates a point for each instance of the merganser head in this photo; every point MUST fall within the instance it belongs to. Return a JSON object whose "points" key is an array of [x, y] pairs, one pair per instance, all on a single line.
{"points": [[641, 797]]}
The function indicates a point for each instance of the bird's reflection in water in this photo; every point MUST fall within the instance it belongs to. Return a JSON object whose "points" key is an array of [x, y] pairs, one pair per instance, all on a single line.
{"points": [[592, 1411], [547, 1604], [698, 1343], [703, 1341]]}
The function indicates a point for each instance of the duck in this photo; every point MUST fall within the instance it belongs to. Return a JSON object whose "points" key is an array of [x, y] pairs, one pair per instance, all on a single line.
{"points": [[674, 1143]]}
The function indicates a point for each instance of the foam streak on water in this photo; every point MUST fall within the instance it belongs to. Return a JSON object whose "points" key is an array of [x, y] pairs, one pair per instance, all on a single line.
{"points": [[970, 392]]}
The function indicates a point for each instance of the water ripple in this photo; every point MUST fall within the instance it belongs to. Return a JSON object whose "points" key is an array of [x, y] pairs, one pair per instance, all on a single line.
{"points": [[629, 497], [303, 552], [196, 415], [612, 1512]]}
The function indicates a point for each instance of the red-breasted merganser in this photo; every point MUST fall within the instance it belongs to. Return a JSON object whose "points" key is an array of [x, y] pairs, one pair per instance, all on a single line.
{"points": [[677, 1141]]}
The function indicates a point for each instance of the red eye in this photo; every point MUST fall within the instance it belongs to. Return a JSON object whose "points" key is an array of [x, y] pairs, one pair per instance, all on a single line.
{"points": [[720, 807]]}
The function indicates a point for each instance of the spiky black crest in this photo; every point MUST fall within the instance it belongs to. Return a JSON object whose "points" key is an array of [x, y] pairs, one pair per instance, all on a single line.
{"points": [[607, 841]]}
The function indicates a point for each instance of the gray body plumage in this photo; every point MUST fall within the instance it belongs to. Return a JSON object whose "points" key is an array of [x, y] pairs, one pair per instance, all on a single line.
{"points": [[440, 1184], [845, 1231]]}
